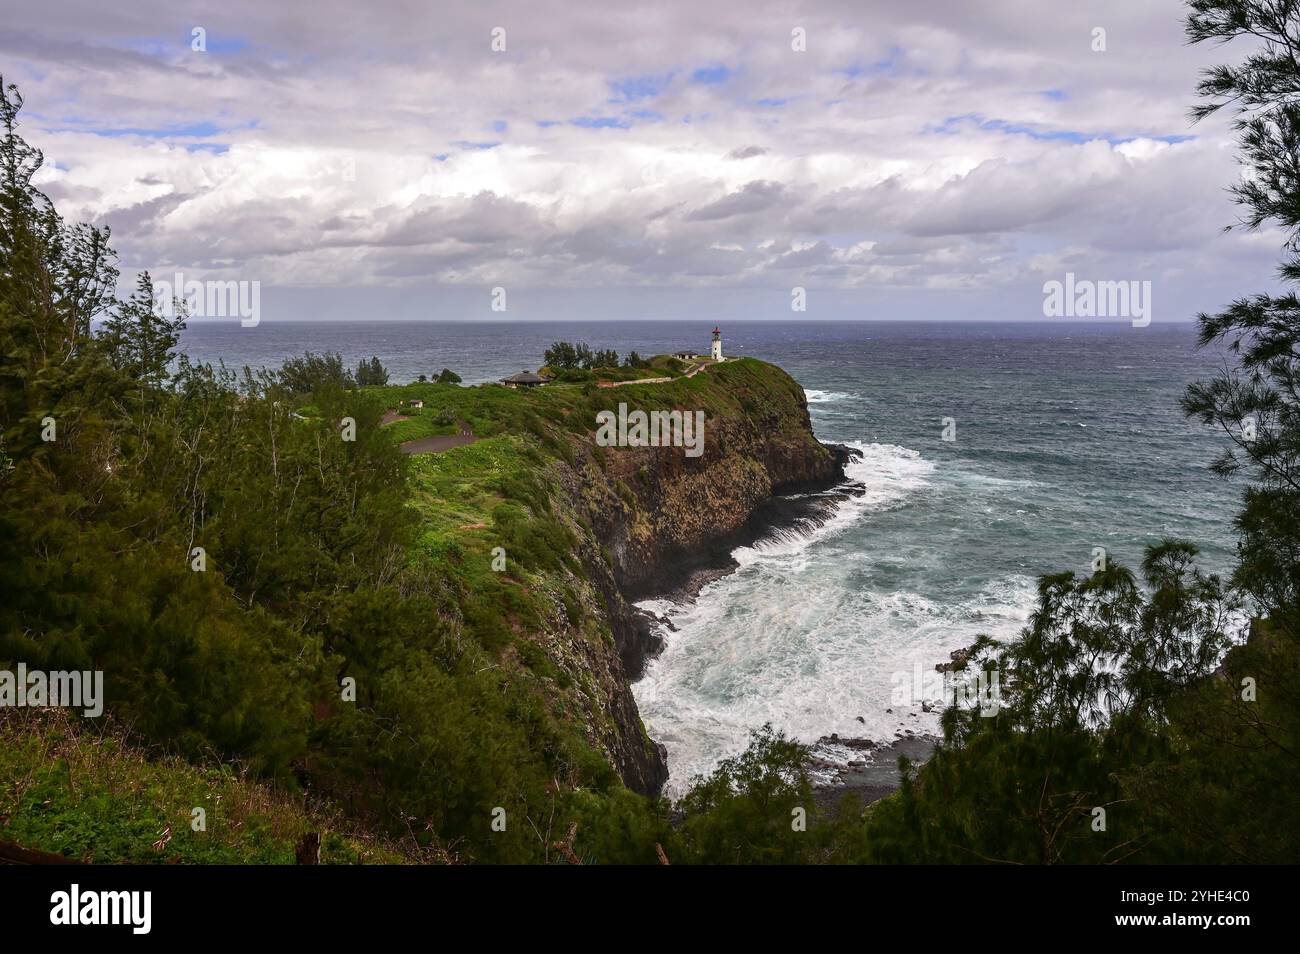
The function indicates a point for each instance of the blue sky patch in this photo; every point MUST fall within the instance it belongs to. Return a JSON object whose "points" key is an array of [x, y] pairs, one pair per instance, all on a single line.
{"points": [[193, 130], [891, 65], [711, 75], [600, 122], [635, 88], [954, 124]]}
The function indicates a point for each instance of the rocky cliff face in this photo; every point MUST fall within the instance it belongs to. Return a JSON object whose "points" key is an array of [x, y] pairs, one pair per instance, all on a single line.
{"points": [[650, 516]]}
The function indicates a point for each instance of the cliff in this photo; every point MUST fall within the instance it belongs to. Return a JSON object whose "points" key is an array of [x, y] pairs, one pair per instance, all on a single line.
{"points": [[494, 656], [583, 529], [650, 516]]}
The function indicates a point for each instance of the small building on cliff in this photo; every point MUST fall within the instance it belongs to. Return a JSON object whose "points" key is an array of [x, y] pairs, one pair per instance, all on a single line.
{"points": [[524, 379], [715, 351]]}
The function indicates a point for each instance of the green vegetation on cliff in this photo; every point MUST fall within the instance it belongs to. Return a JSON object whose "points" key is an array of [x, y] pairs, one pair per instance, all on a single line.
{"points": [[326, 613], [83, 790]]}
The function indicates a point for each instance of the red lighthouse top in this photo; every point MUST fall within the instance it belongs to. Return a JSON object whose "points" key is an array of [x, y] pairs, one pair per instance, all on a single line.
{"points": [[717, 331]]}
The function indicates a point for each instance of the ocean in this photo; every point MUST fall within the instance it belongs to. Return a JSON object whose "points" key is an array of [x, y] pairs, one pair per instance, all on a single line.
{"points": [[1066, 436]]}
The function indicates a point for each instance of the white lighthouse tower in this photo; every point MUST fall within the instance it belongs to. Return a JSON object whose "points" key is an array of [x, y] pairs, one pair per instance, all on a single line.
{"points": [[717, 345]]}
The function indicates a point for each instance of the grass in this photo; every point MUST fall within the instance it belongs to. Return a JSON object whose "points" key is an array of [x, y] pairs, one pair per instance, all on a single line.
{"points": [[454, 493], [85, 790], [496, 492], [80, 788], [738, 385]]}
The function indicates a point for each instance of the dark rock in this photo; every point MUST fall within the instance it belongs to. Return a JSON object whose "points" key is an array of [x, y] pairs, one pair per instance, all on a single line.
{"points": [[959, 659], [652, 523]]}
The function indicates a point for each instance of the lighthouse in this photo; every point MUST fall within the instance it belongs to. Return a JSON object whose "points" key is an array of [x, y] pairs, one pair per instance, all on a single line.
{"points": [[717, 345]]}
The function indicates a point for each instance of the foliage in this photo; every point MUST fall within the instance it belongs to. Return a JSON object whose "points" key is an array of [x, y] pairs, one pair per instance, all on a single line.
{"points": [[315, 372], [214, 544], [746, 811], [371, 372], [87, 792], [1115, 699], [563, 355]]}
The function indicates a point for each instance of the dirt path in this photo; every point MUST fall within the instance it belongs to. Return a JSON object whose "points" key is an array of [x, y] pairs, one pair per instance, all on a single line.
{"points": [[437, 444], [441, 442], [618, 384]]}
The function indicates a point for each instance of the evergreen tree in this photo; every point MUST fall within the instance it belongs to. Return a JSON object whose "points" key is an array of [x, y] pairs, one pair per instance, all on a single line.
{"points": [[1257, 404], [371, 372], [313, 372], [561, 355]]}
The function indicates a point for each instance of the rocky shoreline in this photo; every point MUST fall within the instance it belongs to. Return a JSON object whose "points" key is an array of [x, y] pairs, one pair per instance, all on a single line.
{"points": [[864, 770], [792, 509], [652, 524], [870, 775], [870, 772]]}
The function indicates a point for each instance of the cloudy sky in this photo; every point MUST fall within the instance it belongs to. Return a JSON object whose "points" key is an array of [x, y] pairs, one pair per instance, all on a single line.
{"points": [[939, 158]]}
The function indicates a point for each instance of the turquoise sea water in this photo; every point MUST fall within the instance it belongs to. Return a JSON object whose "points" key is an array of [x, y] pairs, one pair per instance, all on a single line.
{"points": [[1068, 437]]}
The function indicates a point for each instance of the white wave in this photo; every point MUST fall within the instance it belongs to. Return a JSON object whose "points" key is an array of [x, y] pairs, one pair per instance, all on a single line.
{"points": [[813, 629], [824, 397], [886, 474], [810, 653]]}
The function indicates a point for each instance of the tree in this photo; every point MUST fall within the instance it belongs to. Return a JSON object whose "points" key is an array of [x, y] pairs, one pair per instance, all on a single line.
{"points": [[448, 376], [1123, 698], [312, 372], [1257, 404], [565, 356], [371, 372], [1084, 701], [562, 355], [141, 335], [55, 279], [754, 808]]}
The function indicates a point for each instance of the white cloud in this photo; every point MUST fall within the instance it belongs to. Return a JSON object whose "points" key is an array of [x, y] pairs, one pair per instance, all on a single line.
{"points": [[936, 145]]}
